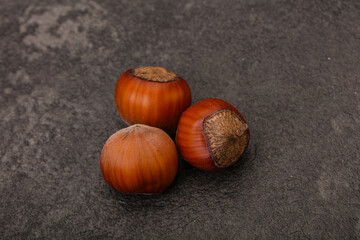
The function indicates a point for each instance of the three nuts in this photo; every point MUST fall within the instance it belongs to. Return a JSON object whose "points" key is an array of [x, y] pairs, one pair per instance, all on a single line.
{"points": [[142, 158]]}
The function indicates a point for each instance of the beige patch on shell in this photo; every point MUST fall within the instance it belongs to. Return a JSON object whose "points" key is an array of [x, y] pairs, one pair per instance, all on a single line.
{"points": [[227, 136]]}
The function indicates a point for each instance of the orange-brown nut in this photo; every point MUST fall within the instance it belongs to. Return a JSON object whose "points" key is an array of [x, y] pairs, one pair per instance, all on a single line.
{"points": [[212, 134], [139, 159], [153, 96]]}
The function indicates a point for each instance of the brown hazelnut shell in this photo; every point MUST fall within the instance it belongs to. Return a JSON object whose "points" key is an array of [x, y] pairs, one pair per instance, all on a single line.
{"points": [[139, 159], [153, 96], [212, 135]]}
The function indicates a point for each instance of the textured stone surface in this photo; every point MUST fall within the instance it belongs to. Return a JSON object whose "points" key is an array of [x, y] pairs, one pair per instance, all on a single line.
{"points": [[291, 67]]}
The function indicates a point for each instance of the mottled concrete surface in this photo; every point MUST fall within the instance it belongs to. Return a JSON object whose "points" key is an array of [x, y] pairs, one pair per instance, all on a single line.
{"points": [[291, 67]]}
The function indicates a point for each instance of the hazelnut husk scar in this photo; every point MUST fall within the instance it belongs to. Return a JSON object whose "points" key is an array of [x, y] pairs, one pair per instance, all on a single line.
{"points": [[227, 137], [155, 74], [212, 134]]}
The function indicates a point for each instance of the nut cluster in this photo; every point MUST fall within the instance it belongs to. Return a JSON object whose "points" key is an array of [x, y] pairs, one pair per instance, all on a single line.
{"points": [[142, 158]]}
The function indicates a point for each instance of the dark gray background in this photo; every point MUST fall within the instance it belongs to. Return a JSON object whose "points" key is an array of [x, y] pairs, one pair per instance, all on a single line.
{"points": [[291, 67]]}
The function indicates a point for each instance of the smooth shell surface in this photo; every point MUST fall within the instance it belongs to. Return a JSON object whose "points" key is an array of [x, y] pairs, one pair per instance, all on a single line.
{"points": [[139, 159], [154, 103]]}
